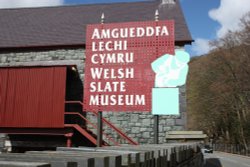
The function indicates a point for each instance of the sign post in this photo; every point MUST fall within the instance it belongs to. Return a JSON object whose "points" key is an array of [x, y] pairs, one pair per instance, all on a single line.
{"points": [[99, 129], [118, 72], [99, 116], [156, 117], [156, 129]]}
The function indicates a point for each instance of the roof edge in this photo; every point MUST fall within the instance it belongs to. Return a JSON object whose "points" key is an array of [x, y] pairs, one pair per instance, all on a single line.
{"points": [[73, 46], [68, 63]]}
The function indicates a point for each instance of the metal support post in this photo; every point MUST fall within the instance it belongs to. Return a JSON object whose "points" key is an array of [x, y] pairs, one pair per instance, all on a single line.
{"points": [[69, 137], [156, 117], [99, 129], [156, 129], [99, 117]]}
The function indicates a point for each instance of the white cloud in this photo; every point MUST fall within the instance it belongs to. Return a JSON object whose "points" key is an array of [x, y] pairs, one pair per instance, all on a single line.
{"points": [[201, 46], [29, 3], [228, 15]]}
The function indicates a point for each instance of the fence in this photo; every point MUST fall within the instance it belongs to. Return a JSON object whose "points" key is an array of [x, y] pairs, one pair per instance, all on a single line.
{"points": [[232, 148]]}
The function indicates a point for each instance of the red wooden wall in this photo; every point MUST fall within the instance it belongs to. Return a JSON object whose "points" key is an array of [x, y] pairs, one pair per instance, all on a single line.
{"points": [[32, 97]]}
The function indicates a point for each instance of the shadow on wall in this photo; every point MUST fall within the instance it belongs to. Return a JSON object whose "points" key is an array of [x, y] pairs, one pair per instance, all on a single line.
{"points": [[74, 90]]}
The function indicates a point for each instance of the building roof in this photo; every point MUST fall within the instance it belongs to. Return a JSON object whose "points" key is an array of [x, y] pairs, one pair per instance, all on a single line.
{"points": [[66, 25]]}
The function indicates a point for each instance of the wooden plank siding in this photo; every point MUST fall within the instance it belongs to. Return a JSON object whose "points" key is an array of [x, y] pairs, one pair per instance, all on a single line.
{"points": [[32, 97]]}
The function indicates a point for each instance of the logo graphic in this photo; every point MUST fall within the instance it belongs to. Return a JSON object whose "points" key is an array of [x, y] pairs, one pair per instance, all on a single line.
{"points": [[171, 72]]}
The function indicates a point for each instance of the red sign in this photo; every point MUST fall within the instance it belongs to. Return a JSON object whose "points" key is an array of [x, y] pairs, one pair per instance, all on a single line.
{"points": [[118, 74]]}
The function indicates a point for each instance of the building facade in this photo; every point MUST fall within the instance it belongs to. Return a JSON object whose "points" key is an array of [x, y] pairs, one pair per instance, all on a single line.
{"points": [[52, 35]]}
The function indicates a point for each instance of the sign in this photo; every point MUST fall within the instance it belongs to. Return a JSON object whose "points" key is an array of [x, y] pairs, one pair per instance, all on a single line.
{"points": [[118, 73], [165, 101]]}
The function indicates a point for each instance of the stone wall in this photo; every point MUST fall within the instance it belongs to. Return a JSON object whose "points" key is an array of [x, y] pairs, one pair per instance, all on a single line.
{"points": [[137, 125], [140, 125], [11, 58]]}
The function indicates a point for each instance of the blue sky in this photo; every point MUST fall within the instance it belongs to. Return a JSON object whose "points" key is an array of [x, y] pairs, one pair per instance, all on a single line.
{"points": [[206, 19], [201, 26]]}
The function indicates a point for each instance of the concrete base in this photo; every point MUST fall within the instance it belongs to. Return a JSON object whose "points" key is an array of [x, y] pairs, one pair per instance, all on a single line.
{"points": [[23, 164]]}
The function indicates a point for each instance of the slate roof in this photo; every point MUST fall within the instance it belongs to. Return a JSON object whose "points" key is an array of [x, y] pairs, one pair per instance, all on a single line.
{"points": [[66, 25]]}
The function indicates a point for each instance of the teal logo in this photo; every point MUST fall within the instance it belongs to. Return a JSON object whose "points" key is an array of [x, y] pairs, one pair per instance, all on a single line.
{"points": [[171, 71]]}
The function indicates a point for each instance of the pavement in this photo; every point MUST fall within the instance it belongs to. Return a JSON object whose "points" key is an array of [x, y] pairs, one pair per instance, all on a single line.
{"points": [[219, 159]]}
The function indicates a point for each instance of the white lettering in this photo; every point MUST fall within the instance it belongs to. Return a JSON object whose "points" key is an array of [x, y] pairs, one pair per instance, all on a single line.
{"points": [[157, 30], [95, 34], [96, 73], [114, 86], [94, 100], [109, 46], [115, 33], [164, 31], [93, 60], [149, 31], [132, 32], [129, 73], [140, 32], [108, 58], [121, 100], [105, 33], [107, 73], [140, 100]]}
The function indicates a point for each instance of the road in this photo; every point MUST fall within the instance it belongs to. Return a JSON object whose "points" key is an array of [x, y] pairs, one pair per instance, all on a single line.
{"points": [[218, 159]]}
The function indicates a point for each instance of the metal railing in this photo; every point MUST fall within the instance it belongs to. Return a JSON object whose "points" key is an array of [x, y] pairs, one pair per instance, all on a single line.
{"points": [[93, 125], [107, 123], [232, 148]]}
